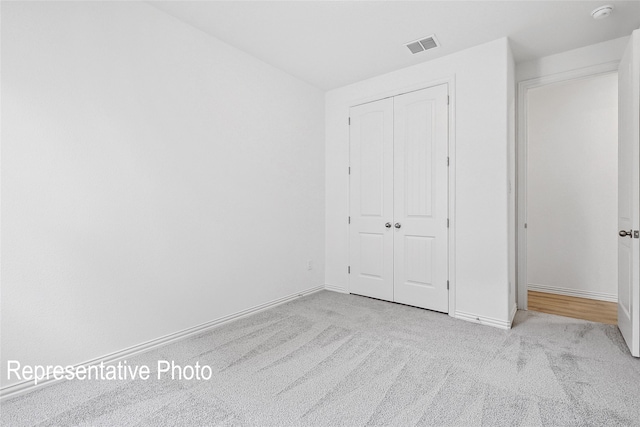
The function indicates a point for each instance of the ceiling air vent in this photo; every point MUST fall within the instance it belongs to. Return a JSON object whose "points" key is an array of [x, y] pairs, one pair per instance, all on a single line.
{"points": [[423, 44]]}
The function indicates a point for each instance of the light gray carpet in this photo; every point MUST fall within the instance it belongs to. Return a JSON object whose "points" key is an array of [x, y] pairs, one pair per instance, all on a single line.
{"points": [[330, 359]]}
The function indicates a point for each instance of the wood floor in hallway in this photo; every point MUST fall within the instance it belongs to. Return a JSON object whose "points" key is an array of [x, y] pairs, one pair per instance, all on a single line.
{"points": [[578, 308]]}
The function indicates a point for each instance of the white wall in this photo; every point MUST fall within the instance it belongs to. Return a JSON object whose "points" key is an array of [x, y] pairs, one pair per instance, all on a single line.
{"points": [[153, 178], [575, 59], [572, 191], [512, 211], [480, 139]]}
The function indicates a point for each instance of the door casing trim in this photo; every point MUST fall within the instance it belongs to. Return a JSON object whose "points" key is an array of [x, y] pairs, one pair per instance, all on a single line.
{"points": [[450, 81]]}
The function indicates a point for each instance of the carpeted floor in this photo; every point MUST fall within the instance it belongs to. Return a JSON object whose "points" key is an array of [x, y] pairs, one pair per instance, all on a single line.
{"points": [[330, 359]]}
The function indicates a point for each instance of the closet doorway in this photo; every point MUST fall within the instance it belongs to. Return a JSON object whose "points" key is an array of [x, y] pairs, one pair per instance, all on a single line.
{"points": [[398, 224]]}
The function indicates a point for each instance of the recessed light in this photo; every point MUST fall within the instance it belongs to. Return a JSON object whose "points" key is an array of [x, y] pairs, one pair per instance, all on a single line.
{"points": [[602, 12]]}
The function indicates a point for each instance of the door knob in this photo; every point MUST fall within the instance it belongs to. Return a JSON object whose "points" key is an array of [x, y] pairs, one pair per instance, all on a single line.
{"points": [[388, 225], [624, 233], [398, 225]]}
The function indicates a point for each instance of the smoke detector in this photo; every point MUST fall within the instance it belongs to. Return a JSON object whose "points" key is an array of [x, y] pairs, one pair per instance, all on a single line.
{"points": [[602, 12], [423, 43]]}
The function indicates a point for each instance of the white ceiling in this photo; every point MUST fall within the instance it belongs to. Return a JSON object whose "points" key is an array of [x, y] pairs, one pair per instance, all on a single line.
{"points": [[334, 43]]}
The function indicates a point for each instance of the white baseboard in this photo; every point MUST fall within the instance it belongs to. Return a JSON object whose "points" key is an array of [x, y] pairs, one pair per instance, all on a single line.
{"points": [[483, 320], [334, 288], [23, 387], [600, 296]]}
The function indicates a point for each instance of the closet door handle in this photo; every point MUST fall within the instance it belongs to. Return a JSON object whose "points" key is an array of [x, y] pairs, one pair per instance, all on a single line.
{"points": [[398, 225], [624, 233], [388, 225]]}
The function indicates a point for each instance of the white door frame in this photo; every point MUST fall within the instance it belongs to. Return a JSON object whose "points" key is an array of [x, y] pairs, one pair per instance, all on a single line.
{"points": [[451, 87], [521, 167]]}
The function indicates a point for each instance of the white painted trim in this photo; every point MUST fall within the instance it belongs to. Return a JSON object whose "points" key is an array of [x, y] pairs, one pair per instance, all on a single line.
{"points": [[23, 387], [334, 288], [452, 194], [482, 320], [450, 81], [512, 316], [399, 91], [600, 296], [521, 196], [521, 159]]}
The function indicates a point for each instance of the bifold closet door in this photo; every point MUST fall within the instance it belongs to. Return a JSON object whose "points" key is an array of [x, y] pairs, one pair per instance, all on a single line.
{"points": [[371, 200], [421, 198]]}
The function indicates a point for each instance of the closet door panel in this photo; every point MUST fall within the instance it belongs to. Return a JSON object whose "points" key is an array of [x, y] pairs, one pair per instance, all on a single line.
{"points": [[371, 199], [420, 198]]}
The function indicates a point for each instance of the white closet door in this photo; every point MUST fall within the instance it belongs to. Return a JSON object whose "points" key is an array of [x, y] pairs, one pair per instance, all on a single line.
{"points": [[371, 204], [420, 198]]}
